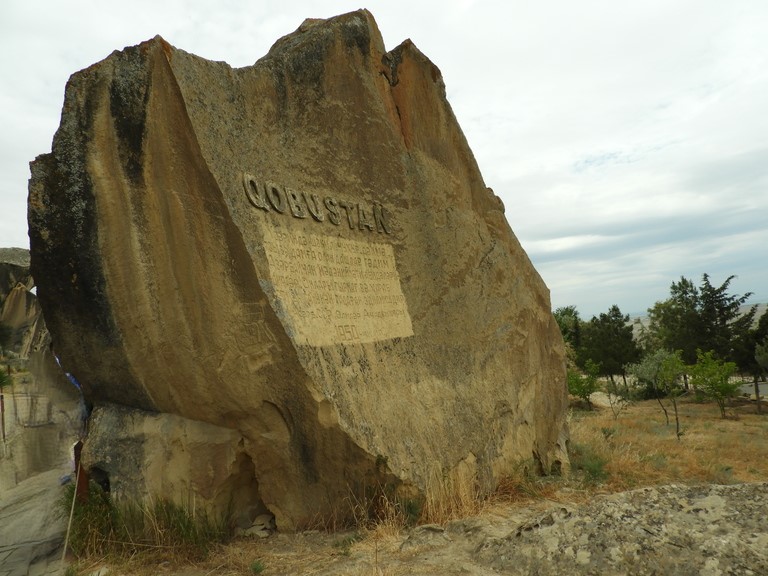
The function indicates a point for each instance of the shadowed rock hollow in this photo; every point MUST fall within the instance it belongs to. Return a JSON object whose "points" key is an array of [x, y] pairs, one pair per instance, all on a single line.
{"points": [[288, 283]]}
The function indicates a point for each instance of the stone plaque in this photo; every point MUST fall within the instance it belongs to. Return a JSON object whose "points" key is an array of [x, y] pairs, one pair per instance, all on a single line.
{"points": [[335, 290]]}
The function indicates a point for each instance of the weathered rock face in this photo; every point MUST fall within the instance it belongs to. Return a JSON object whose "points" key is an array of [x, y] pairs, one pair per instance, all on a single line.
{"points": [[14, 269], [22, 314], [19, 309], [42, 422], [302, 251]]}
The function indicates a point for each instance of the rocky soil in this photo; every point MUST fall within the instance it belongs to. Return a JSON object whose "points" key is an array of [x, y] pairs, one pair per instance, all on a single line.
{"points": [[31, 530], [704, 530]]}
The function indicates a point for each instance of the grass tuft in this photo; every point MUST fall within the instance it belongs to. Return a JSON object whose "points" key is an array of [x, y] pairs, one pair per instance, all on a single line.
{"points": [[589, 462], [450, 496], [103, 527]]}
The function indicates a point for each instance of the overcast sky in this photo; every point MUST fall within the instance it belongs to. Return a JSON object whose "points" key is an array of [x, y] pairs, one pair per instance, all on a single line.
{"points": [[628, 140]]}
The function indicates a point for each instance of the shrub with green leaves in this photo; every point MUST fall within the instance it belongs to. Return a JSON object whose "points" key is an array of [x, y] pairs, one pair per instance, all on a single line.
{"points": [[583, 385], [712, 377], [660, 372]]}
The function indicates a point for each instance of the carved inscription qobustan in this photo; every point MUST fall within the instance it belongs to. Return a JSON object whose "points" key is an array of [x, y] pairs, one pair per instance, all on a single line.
{"points": [[336, 290], [277, 199]]}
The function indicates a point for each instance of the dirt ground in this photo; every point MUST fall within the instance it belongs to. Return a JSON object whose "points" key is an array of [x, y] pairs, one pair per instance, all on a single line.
{"points": [[639, 500]]}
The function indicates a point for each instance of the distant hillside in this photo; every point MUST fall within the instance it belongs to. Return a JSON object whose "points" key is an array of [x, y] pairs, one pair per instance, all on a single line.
{"points": [[761, 308]]}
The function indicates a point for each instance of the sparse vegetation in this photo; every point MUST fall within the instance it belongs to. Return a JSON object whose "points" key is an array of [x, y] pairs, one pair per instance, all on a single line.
{"points": [[345, 543], [127, 531], [584, 385], [639, 451], [586, 460], [660, 373], [609, 453], [712, 377], [623, 444], [618, 398]]}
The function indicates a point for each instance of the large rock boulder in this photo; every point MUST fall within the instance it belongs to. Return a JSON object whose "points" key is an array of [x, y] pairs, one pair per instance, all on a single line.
{"points": [[302, 251]]}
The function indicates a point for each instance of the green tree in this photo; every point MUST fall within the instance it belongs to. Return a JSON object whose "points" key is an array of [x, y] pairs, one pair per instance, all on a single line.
{"points": [[608, 341], [745, 354], [569, 321], [660, 371], [646, 372], [722, 322], [705, 318], [713, 377], [674, 324], [672, 368], [761, 355]]}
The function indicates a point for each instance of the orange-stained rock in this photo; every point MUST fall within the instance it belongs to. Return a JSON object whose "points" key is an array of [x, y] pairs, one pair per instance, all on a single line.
{"points": [[304, 252]]}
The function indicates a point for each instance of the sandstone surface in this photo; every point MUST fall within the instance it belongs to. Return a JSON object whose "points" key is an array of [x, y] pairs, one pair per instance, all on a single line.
{"points": [[21, 312], [19, 309], [303, 254], [32, 529], [14, 269]]}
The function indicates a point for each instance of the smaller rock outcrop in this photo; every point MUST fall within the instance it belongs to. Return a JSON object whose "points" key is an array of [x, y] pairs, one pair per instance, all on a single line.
{"points": [[22, 314], [155, 453], [40, 406], [20, 311], [14, 269], [42, 420]]}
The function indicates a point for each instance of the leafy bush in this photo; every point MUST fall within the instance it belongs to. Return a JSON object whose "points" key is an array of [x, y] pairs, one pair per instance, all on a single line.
{"points": [[712, 377], [660, 372], [583, 385]]}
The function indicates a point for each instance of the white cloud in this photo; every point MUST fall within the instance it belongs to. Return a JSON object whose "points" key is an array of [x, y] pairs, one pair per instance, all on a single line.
{"points": [[629, 141]]}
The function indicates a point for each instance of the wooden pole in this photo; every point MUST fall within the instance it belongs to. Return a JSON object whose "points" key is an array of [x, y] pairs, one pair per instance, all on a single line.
{"points": [[2, 412], [81, 484]]}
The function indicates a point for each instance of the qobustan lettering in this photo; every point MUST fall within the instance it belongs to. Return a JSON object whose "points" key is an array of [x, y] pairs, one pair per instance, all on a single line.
{"points": [[279, 199]]}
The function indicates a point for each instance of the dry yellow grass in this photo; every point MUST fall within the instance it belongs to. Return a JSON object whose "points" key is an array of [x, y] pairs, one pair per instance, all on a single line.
{"points": [[639, 449], [451, 496]]}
